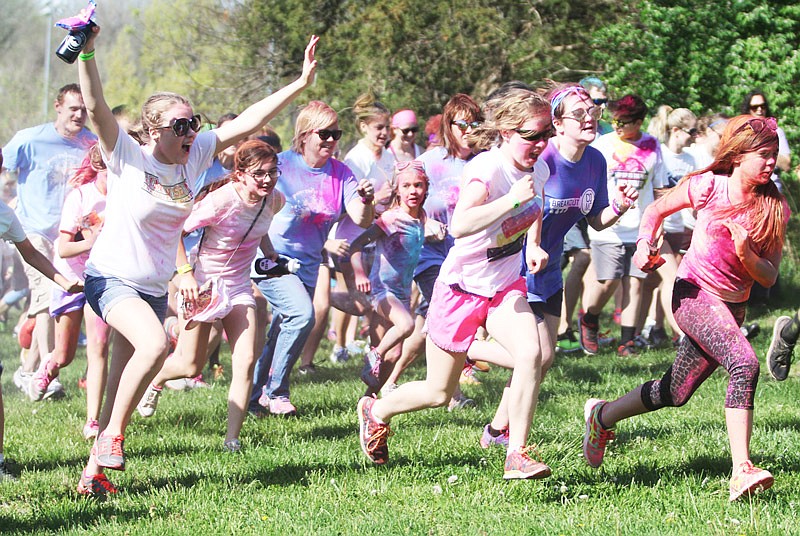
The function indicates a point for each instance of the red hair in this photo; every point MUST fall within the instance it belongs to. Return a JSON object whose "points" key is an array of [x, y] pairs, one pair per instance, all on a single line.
{"points": [[91, 165]]}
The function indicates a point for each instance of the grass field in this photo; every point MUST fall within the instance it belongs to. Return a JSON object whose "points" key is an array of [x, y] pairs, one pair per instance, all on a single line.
{"points": [[667, 473]]}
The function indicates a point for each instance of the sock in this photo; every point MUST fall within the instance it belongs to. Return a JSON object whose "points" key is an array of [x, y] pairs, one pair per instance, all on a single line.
{"points": [[591, 320], [600, 419], [156, 387], [791, 331], [494, 433], [627, 334]]}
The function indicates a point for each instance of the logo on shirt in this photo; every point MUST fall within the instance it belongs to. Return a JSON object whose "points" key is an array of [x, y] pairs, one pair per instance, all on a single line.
{"points": [[177, 193], [584, 203]]}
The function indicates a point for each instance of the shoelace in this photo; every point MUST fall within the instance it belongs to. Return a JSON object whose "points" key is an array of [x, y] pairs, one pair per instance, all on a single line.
{"points": [[378, 437], [530, 452], [603, 436], [114, 445]]}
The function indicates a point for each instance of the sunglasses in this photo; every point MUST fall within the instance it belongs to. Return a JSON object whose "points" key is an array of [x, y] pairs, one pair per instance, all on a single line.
{"points": [[754, 107], [600, 102], [409, 129], [758, 124], [581, 114], [616, 123], [261, 174], [464, 125], [326, 134], [532, 135], [180, 126], [691, 131]]}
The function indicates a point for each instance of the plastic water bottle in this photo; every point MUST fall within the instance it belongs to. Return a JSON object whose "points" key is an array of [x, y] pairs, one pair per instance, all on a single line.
{"points": [[283, 266]]}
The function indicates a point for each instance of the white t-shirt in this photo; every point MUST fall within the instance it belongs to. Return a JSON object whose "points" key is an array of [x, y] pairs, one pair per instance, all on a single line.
{"points": [[10, 227], [490, 260], [83, 208], [677, 166], [146, 206]]}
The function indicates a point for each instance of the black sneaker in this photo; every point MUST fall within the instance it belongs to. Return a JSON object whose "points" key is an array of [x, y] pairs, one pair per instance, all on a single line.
{"points": [[779, 355], [751, 330]]}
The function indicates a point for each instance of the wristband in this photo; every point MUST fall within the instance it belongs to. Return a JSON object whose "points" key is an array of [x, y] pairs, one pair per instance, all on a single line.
{"points": [[185, 269], [86, 56], [616, 208], [516, 203]]}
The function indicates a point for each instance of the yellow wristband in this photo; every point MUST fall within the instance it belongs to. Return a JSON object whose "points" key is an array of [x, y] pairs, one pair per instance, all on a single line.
{"points": [[185, 269]]}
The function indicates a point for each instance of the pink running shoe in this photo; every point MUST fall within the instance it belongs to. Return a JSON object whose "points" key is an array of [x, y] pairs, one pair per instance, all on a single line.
{"points": [[521, 464], [372, 368], [282, 406], [487, 440], [40, 382], [91, 429], [748, 479], [371, 434], [108, 452], [596, 436]]}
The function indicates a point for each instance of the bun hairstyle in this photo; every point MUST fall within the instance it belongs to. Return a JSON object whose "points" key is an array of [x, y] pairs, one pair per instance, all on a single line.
{"points": [[367, 107], [666, 119]]}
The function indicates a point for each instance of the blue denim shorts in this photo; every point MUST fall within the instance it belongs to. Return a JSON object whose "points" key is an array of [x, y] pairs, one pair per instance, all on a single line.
{"points": [[103, 293]]}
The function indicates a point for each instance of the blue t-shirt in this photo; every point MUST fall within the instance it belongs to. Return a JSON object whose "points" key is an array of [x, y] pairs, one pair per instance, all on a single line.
{"points": [[315, 200], [44, 161], [444, 173], [575, 190]]}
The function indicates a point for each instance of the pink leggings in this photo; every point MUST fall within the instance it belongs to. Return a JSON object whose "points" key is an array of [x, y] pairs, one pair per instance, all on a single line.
{"points": [[713, 338]]}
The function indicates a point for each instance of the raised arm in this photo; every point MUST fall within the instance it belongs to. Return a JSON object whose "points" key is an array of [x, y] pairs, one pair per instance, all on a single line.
{"points": [[260, 113], [92, 92]]}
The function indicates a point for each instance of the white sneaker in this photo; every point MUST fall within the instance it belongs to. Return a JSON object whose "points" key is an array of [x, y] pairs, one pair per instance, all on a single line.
{"points": [[196, 383], [147, 405], [54, 391], [22, 380], [339, 355], [178, 384]]}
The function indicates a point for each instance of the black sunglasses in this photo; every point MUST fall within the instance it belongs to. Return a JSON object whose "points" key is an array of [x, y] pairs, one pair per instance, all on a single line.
{"points": [[410, 129], [532, 135], [326, 134], [464, 125], [599, 102], [181, 125], [691, 131]]}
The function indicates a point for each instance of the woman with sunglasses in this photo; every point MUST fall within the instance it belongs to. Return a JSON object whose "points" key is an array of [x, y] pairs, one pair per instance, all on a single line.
{"points": [[576, 189], [151, 190], [633, 158], [318, 189], [236, 216], [738, 239], [756, 104], [479, 284], [404, 135]]}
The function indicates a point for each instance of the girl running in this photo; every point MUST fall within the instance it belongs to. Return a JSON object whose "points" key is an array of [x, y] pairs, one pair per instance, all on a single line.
{"points": [[236, 217], [479, 283], [81, 221], [399, 233], [738, 238]]}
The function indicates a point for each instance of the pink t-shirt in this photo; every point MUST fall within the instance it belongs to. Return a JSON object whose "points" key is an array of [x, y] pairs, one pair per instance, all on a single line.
{"points": [[83, 208], [490, 260], [711, 262], [226, 218]]}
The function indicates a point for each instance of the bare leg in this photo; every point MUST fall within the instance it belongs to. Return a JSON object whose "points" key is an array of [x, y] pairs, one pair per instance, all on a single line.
{"points": [[97, 339], [240, 326], [740, 428], [412, 347], [573, 286]]}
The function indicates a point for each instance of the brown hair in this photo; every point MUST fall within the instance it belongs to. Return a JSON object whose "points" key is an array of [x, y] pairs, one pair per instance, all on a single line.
{"points": [[459, 104]]}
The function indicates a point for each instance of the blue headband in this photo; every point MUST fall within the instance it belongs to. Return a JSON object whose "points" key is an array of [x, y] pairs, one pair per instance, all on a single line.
{"points": [[561, 94]]}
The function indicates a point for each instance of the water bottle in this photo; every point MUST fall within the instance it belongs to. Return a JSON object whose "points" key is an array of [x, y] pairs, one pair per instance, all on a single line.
{"points": [[283, 266], [74, 42]]}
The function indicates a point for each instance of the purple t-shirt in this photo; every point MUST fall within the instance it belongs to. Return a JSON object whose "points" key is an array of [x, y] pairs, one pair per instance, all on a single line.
{"points": [[575, 190], [315, 200]]}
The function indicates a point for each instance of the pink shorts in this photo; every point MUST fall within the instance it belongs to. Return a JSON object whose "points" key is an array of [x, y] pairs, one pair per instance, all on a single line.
{"points": [[454, 315]]}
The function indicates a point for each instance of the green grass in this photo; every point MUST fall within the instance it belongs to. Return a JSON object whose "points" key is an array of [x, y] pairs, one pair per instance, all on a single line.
{"points": [[667, 473]]}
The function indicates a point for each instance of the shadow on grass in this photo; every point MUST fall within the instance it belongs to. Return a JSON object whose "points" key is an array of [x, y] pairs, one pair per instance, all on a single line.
{"points": [[83, 515]]}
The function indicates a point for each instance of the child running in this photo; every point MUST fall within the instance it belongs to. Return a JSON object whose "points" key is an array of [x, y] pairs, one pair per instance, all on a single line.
{"points": [[399, 233], [738, 238], [479, 283], [81, 222], [236, 217]]}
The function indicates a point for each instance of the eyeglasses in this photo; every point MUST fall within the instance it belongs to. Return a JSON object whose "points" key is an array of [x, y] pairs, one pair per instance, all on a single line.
{"points": [[409, 129], [616, 123], [758, 124], [754, 107], [180, 126], [261, 174], [599, 102], [532, 135], [580, 114], [326, 134], [464, 125], [691, 131]]}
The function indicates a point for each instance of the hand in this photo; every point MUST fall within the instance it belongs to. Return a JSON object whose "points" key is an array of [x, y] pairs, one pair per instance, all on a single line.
{"points": [[90, 38], [435, 231], [626, 196], [90, 233], [384, 194], [188, 288], [522, 190], [366, 191], [363, 284], [73, 287], [309, 62], [536, 258], [338, 247], [740, 236], [647, 258]]}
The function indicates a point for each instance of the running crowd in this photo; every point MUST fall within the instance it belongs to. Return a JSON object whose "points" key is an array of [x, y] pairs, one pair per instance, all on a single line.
{"points": [[166, 237]]}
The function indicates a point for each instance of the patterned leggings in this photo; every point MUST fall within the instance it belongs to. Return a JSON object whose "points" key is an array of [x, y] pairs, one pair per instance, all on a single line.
{"points": [[712, 339]]}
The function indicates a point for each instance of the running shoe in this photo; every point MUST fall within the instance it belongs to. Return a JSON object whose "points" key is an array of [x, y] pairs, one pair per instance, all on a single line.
{"points": [[91, 429], [779, 355], [218, 371], [751, 330], [55, 391], [149, 402], [522, 464], [282, 406], [307, 370], [95, 485], [39, 382], [748, 479], [370, 374], [196, 383], [460, 402], [617, 317], [232, 445], [178, 384], [487, 439], [371, 434], [5, 473], [628, 349], [588, 337], [468, 375], [596, 436], [355, 347], [340, 354], [659, 339], [22, 380], [109, 451], [568, 342]]}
